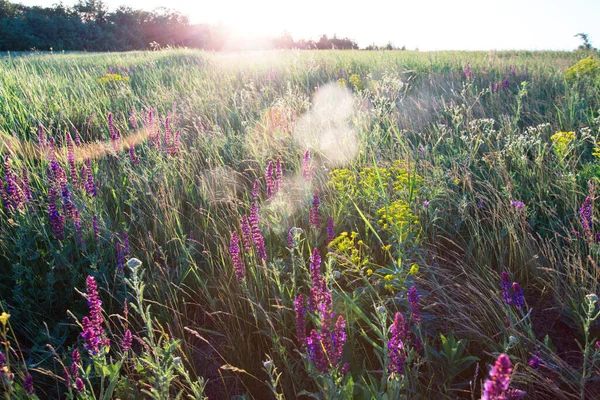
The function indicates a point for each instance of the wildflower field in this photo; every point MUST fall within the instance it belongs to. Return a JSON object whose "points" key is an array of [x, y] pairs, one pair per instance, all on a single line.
{"points": [[313, 224]]}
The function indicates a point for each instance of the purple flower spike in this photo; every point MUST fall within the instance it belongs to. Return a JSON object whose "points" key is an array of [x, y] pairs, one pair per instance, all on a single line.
{"points": [[496, 387], [314, 214], [307, 170], [93, 333], [269, 180], [300, 320], [127, 341], [518, 298], [28, 385], [397, 358], [413, 299], [330, 230], [234, 251]]}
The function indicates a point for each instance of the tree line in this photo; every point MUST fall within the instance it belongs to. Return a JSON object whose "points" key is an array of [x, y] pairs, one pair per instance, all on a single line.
{"points": [[90, 26]]}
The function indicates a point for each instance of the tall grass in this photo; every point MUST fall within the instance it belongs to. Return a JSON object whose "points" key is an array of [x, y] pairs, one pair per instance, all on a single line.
{"points": [[419, 158]]}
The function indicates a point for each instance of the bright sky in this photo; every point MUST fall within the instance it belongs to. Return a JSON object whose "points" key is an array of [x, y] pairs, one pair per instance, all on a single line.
{"points": [[425, 24]]}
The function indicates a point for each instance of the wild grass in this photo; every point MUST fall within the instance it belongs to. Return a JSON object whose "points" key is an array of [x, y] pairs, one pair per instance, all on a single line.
{"points": [[419, 158]]}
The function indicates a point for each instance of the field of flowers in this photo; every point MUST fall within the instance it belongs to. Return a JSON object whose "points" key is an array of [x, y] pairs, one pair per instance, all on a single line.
{"points": [[281, 225]]}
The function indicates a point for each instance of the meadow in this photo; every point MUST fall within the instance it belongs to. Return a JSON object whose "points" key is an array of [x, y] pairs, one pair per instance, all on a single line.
{"points": [[300, 224]]}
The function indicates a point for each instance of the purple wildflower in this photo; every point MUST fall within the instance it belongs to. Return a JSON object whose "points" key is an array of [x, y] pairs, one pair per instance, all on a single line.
{"points": [[425, 203], [290, 239], [120, 256], [519, 205], [127, 340], [535, 361], [518, 298], [413, 299], [90, 185], [497, 386], [396, 345], [307, 170], [79, 386], [57, 221], [93, 334], [28, 385], [257, 237], [505, 84], [255, 189], [314, 214], [246, 233], [330, 230], [339, 339], [135, 160], [316, 351], [468, 72], [126, 248], [234, 251], [95, 228], [300, 320], [269, 180], [25, 185]]}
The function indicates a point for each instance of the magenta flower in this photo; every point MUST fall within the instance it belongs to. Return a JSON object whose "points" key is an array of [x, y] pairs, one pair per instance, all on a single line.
{"points": [[397, 358], [57, 221], [93, 333], [314, 214], [496, 387], [320, 297], [505, 84], [330, 230], [300, 320], [257, 237], [234, 251], [71, 160], [307, 170], [95, 228], [28, 385], [413, 299], [127, 341], [246, 233], [278, 175], [135, 160], [506, 288], [79, 386], [269, 180]]}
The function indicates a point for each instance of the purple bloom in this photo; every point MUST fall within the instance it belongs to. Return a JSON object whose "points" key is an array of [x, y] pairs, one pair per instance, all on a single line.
{"points": [[413, 299], [300, 320], [93, 334], [505, 84], [316, 351], [255, 189], [57, 221], [330, 230], [246, 233], [320, 297], [535, 361], [519, 205], [126, 248], [257, 237], [290, 239], [468, 72], [518, 299], [95, 228], [135, 160], [234, 251], [28, 385], [396, 345], [127, 340], [79, 386], [90, 185], [307, 170], [76, 357], [496, 387], [269, 180], [120, 257], [425, 203], [314, 214]]}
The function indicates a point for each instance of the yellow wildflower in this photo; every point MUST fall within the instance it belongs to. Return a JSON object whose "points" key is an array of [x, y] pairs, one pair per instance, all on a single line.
{"points": [[4, 318]]}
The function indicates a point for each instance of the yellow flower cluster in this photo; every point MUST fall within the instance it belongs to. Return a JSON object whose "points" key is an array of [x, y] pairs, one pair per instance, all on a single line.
{"points": [[398, 219], [348, 247], [113, 79], [344, 181], [357, 82], [587, 68], [562, 140]]}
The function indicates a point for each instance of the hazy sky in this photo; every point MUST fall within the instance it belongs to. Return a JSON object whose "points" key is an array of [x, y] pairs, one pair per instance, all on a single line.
{"points": [[425, 24]]}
